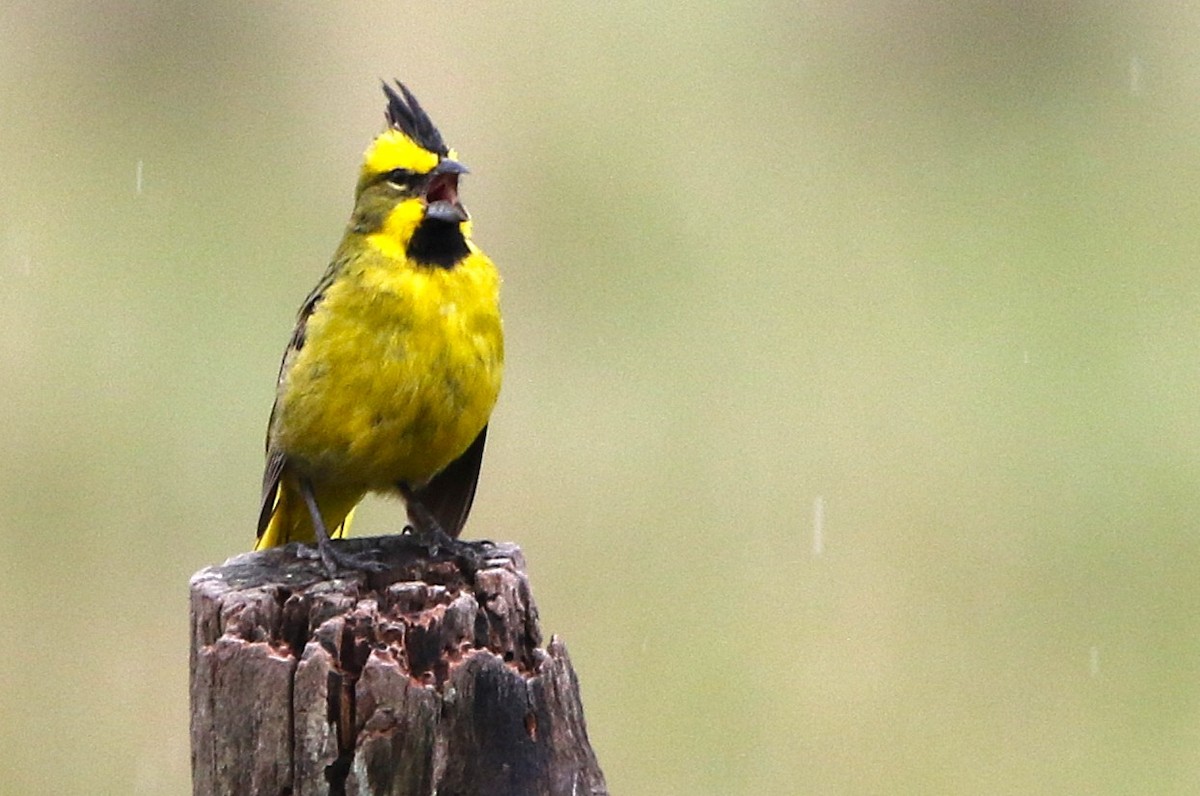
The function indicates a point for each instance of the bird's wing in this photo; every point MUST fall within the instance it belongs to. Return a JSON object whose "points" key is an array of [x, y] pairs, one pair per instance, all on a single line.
{"points": [[270, 490], [449, 494], [276, 459]]}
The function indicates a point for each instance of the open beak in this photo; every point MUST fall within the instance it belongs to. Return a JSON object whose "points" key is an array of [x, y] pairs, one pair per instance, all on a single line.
{"points": [[441, 196]]}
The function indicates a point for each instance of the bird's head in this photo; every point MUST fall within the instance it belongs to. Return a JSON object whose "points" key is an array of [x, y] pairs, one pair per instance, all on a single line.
{"points": [[408, 186]]}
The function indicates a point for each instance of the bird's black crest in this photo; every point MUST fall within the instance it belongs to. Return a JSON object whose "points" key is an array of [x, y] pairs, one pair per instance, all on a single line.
{"points": [[405, 114]]}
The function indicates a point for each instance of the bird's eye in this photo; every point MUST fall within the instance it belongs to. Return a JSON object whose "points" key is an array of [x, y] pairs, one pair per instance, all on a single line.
{"points": [[400, 177]]}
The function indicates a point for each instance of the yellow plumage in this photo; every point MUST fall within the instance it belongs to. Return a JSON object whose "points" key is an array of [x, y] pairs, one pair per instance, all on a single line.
{"points": [[395, 364]]}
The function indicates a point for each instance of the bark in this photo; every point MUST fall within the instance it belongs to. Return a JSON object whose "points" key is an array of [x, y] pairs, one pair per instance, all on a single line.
{"points": [[427, 678]]}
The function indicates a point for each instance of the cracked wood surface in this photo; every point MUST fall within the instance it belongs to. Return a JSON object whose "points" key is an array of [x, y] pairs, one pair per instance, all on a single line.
{"points": [[427, 678]]}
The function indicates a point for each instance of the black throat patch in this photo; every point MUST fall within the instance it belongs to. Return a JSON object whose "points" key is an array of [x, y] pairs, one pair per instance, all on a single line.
{"points": [[439, 243]]}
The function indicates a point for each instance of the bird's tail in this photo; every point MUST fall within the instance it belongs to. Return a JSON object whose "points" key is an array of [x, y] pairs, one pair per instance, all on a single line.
{"points": [[290, 520]]}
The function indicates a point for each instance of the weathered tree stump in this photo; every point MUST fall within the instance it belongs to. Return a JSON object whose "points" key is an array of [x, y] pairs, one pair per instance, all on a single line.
{"points": [[427, 678]]}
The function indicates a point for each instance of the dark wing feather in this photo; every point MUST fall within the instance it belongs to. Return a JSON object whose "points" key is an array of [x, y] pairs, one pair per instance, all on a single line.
{"points": [[271, 477], [276, 460], [449, 494]]}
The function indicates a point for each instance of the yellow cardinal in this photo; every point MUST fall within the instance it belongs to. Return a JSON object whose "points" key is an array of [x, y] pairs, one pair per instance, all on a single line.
{"points": [[394, 365]]}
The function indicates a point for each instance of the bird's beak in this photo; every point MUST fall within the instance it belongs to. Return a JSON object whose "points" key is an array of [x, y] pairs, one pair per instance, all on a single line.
{"points": [[448, 166], [441, 196]]}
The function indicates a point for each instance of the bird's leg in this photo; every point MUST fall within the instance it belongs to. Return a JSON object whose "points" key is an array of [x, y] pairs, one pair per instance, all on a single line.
{"points": [[428, 531], [333, 559], [425, 526]]}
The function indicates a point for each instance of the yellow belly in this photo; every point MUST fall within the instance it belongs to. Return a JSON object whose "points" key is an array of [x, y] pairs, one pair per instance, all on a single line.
{"points": [[398, 374]]}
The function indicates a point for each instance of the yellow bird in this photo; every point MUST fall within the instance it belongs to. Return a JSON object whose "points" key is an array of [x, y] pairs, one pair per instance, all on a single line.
{"points": [[394, 365]]}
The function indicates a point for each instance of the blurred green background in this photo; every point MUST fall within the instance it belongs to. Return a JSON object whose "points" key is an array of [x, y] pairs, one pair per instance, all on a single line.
{"points": [[852, 416]]}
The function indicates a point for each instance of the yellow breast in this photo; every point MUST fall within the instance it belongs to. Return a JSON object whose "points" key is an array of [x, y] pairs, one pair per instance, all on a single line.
{"points": [[399, 371]]}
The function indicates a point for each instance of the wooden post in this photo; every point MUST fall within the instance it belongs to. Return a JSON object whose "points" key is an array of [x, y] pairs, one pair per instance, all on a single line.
{"points": [[426, 678]]}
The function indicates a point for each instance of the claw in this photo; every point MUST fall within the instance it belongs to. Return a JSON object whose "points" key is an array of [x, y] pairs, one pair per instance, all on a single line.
{"points": [[334, 560], [337, 561]]}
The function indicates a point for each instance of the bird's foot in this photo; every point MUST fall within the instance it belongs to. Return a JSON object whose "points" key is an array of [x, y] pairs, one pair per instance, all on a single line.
{"points": [[339, 562], [470, 556]]}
